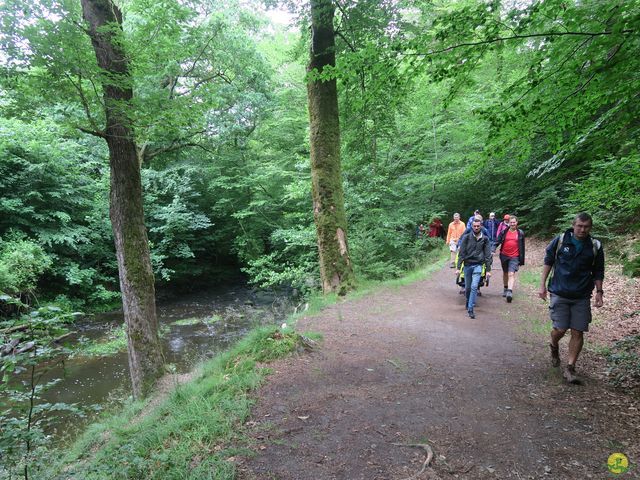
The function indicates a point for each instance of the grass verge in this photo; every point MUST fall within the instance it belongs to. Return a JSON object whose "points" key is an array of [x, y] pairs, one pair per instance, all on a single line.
{"points": [[190, 434]]}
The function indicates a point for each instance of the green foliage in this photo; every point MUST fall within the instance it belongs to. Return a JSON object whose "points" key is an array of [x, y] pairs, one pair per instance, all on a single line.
{"points": [[381, 251], [54, 192], [610, 191], [179, 230], [624, 362], [631, 260], [292, 263], [22, 263], [31, 347]]}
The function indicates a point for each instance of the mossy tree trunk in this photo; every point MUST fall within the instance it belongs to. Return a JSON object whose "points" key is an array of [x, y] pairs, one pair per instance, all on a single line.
{"points": [[104, 21], [336, 270]]}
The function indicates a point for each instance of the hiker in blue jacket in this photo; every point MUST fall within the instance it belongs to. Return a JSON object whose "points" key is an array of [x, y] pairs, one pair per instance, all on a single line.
{"points": [[492, 224], [472, 218], [577, 261]]}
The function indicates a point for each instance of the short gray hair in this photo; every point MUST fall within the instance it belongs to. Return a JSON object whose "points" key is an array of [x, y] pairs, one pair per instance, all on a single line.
{"points": [[583, 217]]}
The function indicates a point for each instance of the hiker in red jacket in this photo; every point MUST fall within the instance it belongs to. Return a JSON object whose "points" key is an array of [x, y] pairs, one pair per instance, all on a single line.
{"points": [[435, 228], [511, 243]]}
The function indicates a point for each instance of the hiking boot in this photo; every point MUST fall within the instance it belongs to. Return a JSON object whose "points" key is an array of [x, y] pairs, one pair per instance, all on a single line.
{"points": [[509, 296], [462, 291], [453, 265], [471, 313], [479, 293], [504, 292], [555, 355], [570, 376]]}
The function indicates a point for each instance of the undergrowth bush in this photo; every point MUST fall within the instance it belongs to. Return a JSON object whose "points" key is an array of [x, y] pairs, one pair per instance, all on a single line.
{"points": [[383, 254], [22, 262], [624, 362], [610, 193]]}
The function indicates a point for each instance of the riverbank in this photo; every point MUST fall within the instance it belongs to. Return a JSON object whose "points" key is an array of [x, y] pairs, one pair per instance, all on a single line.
{"points": [[189, 430]]}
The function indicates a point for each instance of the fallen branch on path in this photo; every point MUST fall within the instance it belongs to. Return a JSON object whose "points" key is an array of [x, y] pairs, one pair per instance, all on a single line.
{"points": [[429, 451], [394, 364]]}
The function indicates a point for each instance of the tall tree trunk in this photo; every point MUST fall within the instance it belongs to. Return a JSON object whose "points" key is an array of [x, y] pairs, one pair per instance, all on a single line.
{"points": [[104, 20], [336, 270]]}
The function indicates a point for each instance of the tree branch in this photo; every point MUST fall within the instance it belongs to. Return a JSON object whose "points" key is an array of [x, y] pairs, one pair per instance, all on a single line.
{"points": [[565, 60], [95, 133], [341, 35], [207, 79], [514, 37], [580, 88], [176, 144], [193, 65], [83, 100]]}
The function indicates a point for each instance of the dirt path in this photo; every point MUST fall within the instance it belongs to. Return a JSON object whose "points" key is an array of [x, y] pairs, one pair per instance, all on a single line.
{"points": [[407, 365]]}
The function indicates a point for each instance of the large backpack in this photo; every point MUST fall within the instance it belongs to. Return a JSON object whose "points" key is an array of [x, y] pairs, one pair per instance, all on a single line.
{"points": [[595, 243]]}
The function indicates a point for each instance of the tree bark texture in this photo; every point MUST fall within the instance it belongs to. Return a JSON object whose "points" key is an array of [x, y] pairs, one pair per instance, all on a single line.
{"points": [[336, 270], [104, 22]]}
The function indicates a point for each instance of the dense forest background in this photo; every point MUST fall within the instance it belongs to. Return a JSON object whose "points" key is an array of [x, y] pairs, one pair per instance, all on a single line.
{"points": [[222, 126], [528, 108]]}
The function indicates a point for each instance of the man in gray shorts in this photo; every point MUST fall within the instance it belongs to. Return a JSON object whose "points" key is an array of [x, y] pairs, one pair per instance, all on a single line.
{"points": [[577, 261]]}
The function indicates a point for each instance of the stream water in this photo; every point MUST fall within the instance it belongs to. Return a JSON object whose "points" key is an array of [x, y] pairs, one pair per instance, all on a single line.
{"points": [[104, 380]]}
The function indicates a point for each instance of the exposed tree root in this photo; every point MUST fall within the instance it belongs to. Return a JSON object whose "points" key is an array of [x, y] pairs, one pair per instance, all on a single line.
{"points": [[429, 451]]}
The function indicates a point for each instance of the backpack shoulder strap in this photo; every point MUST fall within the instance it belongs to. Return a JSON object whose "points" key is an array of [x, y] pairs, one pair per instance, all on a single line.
{"points": [[597, 245], [558, 245]]}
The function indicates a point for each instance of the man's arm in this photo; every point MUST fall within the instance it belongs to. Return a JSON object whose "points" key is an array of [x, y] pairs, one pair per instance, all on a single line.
{"points": [[543, 281], [599, 294], [499, 240], [549, 260], [487, 256], [462, 251], [598, 277]]}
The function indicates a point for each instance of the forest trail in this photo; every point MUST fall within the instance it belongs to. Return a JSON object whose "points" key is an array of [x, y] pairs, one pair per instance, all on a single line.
{"points": [[405, 366]]}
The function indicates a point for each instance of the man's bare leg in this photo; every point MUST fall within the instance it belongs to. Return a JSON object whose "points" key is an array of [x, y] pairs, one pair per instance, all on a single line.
{"points": [[556, 335], [575, 346]]}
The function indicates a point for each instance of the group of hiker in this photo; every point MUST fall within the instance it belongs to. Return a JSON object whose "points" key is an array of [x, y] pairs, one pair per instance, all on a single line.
{"points": [[574, 259], [472, 247]]}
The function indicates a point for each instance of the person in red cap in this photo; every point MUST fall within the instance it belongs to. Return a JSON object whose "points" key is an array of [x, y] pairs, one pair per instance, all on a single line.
{"points": [[503, 226]]}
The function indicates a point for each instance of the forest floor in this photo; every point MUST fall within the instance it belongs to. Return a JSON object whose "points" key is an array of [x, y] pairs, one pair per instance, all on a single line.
{"points": [[406, 365]]}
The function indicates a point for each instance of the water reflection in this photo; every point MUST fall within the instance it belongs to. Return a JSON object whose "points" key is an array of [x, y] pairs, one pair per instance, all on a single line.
{"points": [[195, 327]]}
